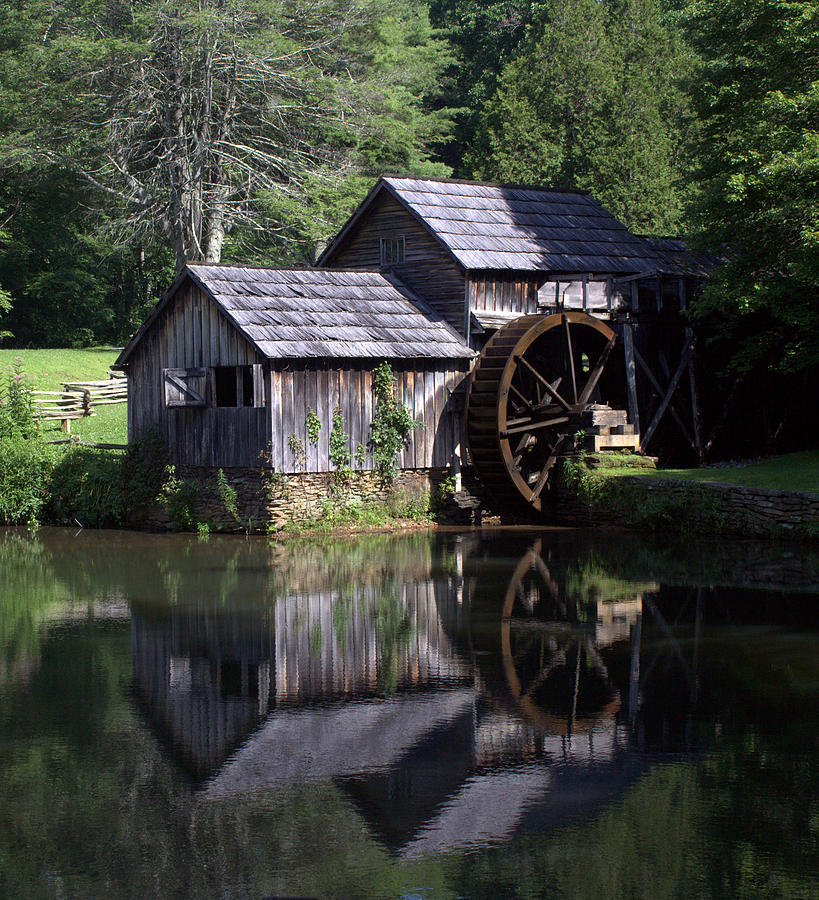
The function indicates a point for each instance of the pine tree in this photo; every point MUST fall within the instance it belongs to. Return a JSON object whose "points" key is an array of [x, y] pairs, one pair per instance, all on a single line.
{"points": [[593, 102]]}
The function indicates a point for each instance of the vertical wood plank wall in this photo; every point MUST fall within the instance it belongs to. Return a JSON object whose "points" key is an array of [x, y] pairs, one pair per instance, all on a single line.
{"points": [[502, 291], [425, 388], [189, 333], [428, 269]]}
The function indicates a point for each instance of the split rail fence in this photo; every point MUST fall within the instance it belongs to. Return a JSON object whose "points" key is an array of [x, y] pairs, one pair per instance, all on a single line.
{"points": [[79, 399]]}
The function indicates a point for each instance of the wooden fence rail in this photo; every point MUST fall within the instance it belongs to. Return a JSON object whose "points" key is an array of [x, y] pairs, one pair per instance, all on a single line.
{"points": [[79, 399]]}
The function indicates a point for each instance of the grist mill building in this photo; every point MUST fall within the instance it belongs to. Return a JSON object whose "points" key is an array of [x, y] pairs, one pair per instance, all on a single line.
{"points": [[512, 317]]}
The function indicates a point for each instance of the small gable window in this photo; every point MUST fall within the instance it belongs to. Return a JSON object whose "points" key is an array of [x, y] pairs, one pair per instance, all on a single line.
{"points": [[392, 251]]}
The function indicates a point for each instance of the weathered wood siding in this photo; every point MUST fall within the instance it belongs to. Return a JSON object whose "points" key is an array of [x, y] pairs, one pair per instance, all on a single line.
{"points": [[191, 332], [428, 269], [502, 291], [425, 388]]}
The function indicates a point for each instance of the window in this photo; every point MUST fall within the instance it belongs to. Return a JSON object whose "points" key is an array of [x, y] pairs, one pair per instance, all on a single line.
{"points": [[234, 386], [184, 387], [392, 251]]}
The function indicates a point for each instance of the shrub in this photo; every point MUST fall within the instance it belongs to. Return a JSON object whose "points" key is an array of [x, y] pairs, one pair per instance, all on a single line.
{"points": [[87, 489], [26, 461], [98, 489], [25, 476]]}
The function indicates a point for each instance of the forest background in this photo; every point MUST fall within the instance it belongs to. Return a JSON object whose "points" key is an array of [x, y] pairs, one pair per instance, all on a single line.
{"points": [[138, 134]]}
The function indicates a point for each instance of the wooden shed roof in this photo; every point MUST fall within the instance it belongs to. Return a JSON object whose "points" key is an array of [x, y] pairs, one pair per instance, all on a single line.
{"points": [[322, 313], [496, 226]]}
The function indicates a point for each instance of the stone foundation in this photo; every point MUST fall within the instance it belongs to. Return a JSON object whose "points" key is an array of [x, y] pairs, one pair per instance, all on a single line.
{"points": [[268, 501], [689, 506]]}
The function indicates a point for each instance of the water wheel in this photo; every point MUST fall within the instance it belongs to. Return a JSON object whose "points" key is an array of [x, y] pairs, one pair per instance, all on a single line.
{"points": [[531, 384]]}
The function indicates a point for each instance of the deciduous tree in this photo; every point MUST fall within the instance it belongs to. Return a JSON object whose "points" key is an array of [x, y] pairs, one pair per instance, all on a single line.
{"points": [[757, 100]]}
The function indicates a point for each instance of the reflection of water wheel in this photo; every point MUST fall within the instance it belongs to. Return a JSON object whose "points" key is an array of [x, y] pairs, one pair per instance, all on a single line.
{"points": [[553, 670], [530, 386]]}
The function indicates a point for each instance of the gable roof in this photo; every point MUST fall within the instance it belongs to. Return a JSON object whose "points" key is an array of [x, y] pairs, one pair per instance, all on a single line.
{"points": [[321, 313], [496, 226]]}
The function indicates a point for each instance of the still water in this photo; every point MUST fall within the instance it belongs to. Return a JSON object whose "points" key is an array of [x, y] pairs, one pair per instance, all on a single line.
{"points": [[508, 714]]}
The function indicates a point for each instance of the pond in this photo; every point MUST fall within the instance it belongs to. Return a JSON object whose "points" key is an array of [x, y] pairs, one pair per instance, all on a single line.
{"points": [[514, 713]]}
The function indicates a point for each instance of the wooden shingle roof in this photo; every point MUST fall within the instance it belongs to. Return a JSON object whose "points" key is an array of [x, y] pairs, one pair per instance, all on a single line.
{"points": [[321, 313], [506, 227]]}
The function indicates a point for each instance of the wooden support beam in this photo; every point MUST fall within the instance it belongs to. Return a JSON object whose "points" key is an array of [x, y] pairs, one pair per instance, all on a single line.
{"points": [[631, 378], [635, 297], [658, 293], [723, 415], [681, 295], [609, 294], [695, 407], [656, 385], [585, 285], [649, 433]]}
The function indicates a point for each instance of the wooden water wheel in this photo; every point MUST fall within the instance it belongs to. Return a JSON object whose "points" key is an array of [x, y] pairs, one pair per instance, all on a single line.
{"points": [[531, 384]]}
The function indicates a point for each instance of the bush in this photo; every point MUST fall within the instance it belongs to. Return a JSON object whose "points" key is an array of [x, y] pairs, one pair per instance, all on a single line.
{"points": [[25, 476], [99, 489], [87, 489], [26, 462]]}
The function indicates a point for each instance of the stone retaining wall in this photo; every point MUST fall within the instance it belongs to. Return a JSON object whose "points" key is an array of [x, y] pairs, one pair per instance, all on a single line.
{"points": [[269, 501], [679, 505]]}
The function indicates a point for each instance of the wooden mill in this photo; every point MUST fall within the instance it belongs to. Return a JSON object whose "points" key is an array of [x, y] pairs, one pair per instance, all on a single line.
{"points": [[514, 318]]}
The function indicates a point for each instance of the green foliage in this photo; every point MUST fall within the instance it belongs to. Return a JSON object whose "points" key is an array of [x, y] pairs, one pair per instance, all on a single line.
{"points": [[757, 101], [642, 502], [391, 425], [178, 496], [296, 445], [228, 496], [313, 425], [26, 466], [100, 488], [485, 35], [592, 100], [340, 449], [88, 489], [25, 475]]}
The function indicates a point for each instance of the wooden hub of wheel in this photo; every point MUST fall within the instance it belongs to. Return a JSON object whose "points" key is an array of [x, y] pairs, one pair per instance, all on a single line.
{"points": [[530, 386]]}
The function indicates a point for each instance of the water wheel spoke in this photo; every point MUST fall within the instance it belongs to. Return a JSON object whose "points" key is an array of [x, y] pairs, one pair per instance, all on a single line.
{"points": [[525, 400], [523, 425], [548, 387], [544, 475], [570, 350], [597, 371]]}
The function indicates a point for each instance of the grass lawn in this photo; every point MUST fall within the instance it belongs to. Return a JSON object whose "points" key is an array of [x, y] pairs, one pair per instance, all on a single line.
{"points": [[48, 368], [791, 472]]}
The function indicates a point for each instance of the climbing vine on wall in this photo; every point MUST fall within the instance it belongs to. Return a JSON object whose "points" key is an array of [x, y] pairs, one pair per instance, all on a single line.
{"points": [[391, 425]]}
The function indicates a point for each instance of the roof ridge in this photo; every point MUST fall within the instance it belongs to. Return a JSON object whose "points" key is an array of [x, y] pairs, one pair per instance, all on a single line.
{"points": [[261, 268], [497, 184]]}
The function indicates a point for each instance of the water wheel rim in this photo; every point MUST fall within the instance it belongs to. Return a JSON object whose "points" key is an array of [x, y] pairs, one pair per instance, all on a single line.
{"points": [[540, 325]]}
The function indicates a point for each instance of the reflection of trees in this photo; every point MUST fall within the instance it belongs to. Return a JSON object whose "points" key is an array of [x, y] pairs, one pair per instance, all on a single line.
{"points": [[29, 591]]}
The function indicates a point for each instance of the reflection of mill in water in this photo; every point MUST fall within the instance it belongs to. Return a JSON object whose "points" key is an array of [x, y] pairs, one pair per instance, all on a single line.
{"points": [[451, 711]]}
